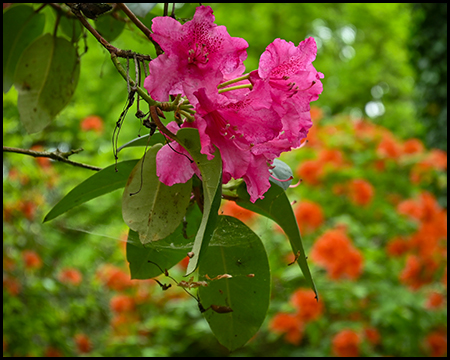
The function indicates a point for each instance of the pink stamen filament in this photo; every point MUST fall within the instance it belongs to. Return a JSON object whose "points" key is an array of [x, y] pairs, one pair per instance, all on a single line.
{"points": [[297, 184], [285, 180]]}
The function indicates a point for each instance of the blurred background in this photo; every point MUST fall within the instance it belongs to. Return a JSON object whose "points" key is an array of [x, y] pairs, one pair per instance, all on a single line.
{"points": [[371, 206]]}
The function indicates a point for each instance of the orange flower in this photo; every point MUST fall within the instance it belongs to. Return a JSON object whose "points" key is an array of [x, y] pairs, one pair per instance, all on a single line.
{"points": [[331, 156], [309, 216], [334, 251], [27, 208], [308, 308], [31, 259], [425, 209], [418, 272], [438, 159], [289, 324], [232, 209], [426, 240], [365, 129], [346, 343], [361, 192], [52, 352], [316, 113], [413, 146], [411, 208], [436, 342], [92, 122], [11, 285], [327, 247], [312, 138], [435, 300], [70, 276], [83, 343], [122, 303], [397, 246], [380, 164], [389, 147], [372, 335], [114, 278], [310, 171]]}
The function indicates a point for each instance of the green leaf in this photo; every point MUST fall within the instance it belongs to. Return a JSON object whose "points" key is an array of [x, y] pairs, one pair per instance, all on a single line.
{"points": [[149, 207], [157, 138], [71, 27], [101, 183], [237, 251], [46, 78], [166, 252], [109, 27], [276, 206], [21, 26], [211, 171]]}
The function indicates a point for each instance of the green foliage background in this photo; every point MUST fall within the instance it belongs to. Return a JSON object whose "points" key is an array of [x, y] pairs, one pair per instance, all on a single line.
{"points": [[367, 52]]}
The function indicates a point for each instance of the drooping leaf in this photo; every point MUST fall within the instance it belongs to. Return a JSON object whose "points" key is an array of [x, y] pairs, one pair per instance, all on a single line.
{"points": [[211, 171], [46, 78], [21, 26], [157, 138], [71, 27], [237, 251], [166, 252], [100, 183], [149, 207], [281, 171], [276, 206], [109, 27]]}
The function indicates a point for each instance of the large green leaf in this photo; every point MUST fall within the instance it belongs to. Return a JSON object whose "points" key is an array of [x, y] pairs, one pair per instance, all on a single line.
{"points": [[100, 183], [21, 25], [211, 171], [149, 207], [46, 78], [237, 251], [166, 252], [277, 207]]}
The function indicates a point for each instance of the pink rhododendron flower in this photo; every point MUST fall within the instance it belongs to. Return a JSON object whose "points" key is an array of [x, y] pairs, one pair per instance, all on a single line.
{"points": [[251, 126], [196, 54], [173, 164], [294, 83]]}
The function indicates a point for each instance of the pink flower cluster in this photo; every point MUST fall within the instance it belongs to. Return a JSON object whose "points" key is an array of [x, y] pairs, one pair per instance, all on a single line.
{"points": [[252, 125]]}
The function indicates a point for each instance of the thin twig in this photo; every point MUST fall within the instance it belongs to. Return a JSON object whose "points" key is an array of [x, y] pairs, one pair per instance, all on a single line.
{"points": [[147, 32], [55, 155], [160, 125], [138, 89]]}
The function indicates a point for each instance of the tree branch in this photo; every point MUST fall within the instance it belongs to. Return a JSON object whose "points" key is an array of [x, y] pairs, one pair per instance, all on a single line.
{"points": [[55, 155], [102, 41]]}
